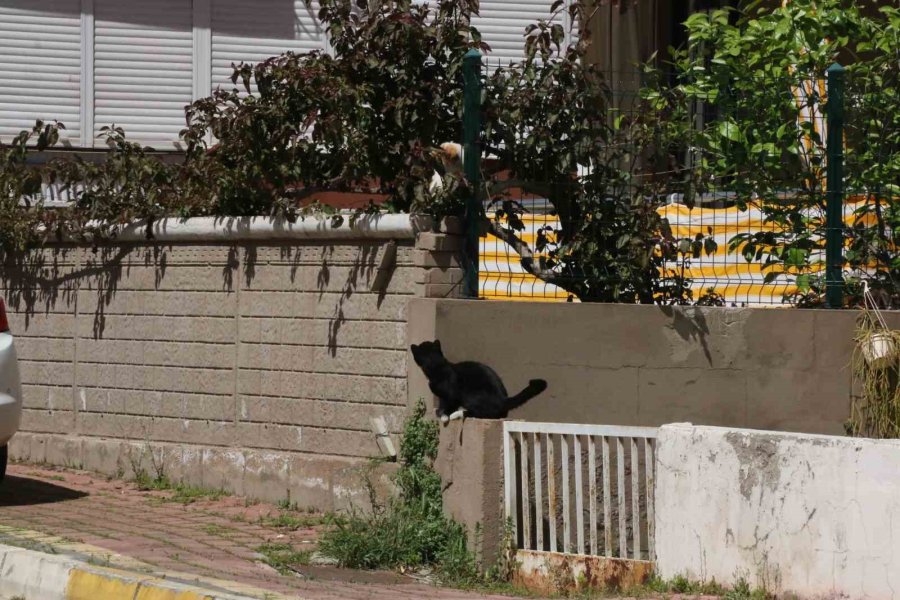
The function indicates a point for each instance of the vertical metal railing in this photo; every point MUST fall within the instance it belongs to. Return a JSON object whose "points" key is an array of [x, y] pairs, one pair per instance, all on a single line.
{"points": [[605, 510]]}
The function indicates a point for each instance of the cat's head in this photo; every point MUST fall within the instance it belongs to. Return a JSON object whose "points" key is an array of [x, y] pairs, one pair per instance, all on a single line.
{"points": [[427, 353]]}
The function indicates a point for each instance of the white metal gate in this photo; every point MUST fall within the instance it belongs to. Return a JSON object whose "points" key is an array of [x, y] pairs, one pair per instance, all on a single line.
{"points": [[554, 505]]}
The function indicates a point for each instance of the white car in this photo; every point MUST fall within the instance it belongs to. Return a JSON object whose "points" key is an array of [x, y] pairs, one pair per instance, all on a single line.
{"points": [[10, 389]]}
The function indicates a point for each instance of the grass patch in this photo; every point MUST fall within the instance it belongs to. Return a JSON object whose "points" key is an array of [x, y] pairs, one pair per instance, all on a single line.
{"points": [[409, 531], [283, 557], [292, 522], [182, 492], [741, 590], [42, 476], [286, 504], [217, 530]]}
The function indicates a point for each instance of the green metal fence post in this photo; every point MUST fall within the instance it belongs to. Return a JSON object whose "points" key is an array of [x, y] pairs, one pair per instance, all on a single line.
{"points": [[834, 200], [472, 167]]}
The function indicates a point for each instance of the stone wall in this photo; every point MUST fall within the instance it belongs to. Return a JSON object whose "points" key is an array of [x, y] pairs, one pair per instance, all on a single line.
{"points": [[794, 514], [244, 363], [760, 368]]}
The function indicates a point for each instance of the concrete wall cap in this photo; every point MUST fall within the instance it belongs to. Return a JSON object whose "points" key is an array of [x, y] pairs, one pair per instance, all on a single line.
{"points": [[234, 229]]}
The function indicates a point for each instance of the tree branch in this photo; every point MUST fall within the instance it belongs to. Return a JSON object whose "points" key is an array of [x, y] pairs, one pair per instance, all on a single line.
{"points": [[526, 255]]}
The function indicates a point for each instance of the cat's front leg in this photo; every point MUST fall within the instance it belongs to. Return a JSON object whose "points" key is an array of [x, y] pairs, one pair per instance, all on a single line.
{"points": [[458, 414]]}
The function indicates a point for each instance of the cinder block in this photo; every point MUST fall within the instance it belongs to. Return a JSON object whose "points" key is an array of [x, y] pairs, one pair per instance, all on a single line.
{"points": [[439, 242], [47, 421], [28, 447], [266, 475], [63, 450], [104, 456], [429, 259], [223, 469], [185, 464], [440, 290], [310, 482], [351, 485], [452, 275]]}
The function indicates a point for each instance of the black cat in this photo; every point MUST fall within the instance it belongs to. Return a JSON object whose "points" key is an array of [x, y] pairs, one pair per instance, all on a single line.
{"points": [[468, 388]]}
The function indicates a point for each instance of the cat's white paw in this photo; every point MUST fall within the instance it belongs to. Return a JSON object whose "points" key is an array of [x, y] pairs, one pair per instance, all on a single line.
{"points": [[459, 414], [445, 419]]}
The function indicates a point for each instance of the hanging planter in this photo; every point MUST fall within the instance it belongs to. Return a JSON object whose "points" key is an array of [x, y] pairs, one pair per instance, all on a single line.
{"points": [[875, 410], [879, 348], [875, 340]]}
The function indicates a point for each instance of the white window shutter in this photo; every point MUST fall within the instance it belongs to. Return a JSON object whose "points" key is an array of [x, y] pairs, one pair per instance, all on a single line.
{"points": [[40, 65], [502, 26], [254, 31], [143, 68]]}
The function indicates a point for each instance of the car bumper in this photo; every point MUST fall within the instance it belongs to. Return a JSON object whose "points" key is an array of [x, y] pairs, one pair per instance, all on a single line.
{"points": [[10, 389]]}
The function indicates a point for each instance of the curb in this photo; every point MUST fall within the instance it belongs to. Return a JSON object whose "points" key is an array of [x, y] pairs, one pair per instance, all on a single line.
{"points": [[65, 572]]}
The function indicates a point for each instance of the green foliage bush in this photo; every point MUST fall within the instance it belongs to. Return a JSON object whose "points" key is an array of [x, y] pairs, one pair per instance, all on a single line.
{"points": [[410, 530], [745, 70], [369, 115]]}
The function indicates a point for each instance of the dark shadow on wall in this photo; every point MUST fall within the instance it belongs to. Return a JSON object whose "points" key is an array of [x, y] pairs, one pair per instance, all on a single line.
{"points": [[690, 323], [363, 267], [35, 282], [50, 280], [232, 263]]}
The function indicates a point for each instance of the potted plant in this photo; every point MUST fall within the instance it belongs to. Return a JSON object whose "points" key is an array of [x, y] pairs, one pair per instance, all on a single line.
{"points": [[875, 410]]}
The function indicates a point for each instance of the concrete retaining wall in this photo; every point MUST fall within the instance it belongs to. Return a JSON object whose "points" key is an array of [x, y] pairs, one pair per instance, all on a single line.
{"points": [[814, 515], [470, 462], [784, 369], [223, 357]]}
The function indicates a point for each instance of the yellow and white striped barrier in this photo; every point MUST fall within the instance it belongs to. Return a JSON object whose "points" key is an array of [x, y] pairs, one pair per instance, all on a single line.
{"points": [[728, 273]]}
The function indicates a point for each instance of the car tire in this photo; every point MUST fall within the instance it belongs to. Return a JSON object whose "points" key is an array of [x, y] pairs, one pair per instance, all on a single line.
{"points": [[4, 455]]}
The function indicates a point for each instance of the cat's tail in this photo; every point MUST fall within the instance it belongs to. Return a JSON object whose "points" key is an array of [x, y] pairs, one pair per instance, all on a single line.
{"points": [[534, 387]]}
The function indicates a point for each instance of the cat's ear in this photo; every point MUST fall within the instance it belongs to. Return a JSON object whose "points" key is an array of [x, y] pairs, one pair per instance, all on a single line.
{"points": [[437, 344], [413, 347]]}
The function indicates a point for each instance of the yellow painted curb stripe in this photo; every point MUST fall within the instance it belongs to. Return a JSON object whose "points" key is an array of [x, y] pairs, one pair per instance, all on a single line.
{"points": [[84, 585], [153, 593], [92, 585]]}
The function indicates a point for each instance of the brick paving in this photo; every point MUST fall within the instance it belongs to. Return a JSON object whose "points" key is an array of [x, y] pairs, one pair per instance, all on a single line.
{"points": [[215, 538]]}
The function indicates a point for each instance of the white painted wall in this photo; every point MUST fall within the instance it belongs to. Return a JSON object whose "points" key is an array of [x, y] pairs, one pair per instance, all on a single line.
{"points": [[814, 515]]}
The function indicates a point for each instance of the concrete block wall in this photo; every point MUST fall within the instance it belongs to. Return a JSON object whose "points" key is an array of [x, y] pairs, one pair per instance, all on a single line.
{"points": [[253, 366], [807, 515], [762, 368]]}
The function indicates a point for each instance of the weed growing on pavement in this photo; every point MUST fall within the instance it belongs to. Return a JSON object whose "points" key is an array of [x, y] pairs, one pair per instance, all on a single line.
{"points": [[217, 530], [741, 590], [283, 557], [182, 492], [286, 504], [292, 522], [409, 531], [100, 561], [43, 476]]}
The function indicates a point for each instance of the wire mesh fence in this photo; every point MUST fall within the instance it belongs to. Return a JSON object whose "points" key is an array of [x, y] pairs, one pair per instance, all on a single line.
{"points": [[734, 208]]}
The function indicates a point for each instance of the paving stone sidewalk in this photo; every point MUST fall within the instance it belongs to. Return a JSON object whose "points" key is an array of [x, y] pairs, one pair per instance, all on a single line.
{"points": [[209, 537]]}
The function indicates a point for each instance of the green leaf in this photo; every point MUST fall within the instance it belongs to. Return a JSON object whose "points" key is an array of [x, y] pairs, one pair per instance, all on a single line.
{"points": [[796, 257]]}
